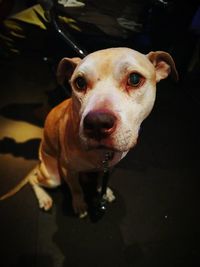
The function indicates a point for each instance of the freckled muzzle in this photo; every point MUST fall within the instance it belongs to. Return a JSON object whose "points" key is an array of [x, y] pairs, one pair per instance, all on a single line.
{"points": [[99, 124]]}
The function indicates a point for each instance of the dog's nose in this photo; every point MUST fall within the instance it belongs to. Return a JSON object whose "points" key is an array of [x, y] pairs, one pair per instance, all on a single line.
{"points": [[99, 124]]}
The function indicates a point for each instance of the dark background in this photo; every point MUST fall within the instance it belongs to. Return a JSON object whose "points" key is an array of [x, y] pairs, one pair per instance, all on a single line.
{"points": [[155, 219]]}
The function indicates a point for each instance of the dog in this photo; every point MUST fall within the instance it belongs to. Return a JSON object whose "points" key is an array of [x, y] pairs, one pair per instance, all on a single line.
{"points": [[113, 91]]}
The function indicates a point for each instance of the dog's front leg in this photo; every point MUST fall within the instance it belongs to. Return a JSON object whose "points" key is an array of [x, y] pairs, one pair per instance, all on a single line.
{"points": [[78, 201]]}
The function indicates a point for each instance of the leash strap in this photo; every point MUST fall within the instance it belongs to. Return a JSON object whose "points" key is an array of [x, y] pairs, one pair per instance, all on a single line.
{"points": [[105, 180], [99, 208], [106, 174]]}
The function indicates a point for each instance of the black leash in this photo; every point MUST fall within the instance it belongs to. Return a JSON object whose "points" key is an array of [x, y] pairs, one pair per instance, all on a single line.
{"points": [[100, 204]]}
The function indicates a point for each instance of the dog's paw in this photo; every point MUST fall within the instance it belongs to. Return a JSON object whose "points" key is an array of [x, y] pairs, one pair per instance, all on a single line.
{"points": [[79, 206], [83, 215], [45, 201], [109, 196]]}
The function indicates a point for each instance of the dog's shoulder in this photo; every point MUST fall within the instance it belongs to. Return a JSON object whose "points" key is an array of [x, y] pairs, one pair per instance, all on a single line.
{"points": [[57, 113], [53, 121]]}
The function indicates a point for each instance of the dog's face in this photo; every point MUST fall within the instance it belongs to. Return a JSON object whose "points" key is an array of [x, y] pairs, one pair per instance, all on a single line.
{"points": [[113, 91]]}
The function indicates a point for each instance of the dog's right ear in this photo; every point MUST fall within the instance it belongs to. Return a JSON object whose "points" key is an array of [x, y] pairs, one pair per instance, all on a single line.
{"points": [[65, 68]]}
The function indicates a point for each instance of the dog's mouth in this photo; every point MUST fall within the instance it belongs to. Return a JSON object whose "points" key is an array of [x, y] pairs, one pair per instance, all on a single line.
{"points": [[101, 147], [104, 146], [103, 150]]}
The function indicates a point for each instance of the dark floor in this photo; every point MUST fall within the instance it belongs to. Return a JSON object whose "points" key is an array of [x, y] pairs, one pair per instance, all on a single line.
{"points": [[155, 220]]}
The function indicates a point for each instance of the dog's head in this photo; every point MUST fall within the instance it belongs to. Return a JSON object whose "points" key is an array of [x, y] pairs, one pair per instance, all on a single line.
{"points": [[113, 91]]}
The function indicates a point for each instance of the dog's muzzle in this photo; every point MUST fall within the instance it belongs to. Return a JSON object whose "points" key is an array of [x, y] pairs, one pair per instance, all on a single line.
{"points": [[99, 124]]}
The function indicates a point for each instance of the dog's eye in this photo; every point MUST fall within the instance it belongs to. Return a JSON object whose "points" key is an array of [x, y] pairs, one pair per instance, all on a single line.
{"points": [[80, 83], [134, 79]]}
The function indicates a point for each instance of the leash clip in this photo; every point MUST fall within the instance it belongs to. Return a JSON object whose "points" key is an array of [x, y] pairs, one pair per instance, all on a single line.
{"points": [[105, 162]]}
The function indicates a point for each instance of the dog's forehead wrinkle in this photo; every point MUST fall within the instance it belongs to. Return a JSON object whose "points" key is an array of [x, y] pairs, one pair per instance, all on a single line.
{"points": [[113, 62], [84, 69], [128, 65], [100, 62]]}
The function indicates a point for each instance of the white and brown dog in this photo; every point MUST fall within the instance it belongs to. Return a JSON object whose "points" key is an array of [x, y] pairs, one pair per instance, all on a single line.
{"points": [[113, 91]]}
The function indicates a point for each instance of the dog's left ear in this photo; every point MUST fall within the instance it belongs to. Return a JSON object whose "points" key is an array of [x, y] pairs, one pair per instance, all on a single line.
{"points": [[164, 65], [66, 68]]}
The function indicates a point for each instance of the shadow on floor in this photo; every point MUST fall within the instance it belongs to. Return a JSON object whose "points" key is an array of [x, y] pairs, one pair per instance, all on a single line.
{"points": [[96, 243], [27, 150], [28, 112]]}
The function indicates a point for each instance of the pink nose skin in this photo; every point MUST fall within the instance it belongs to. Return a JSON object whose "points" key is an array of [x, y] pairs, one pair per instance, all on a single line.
{"points": [[99, 124]]}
